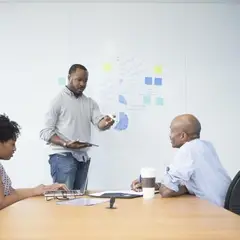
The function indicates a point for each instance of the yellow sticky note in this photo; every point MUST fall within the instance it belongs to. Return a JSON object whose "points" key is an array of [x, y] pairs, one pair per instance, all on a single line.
{"points": [[158, 69], [107, 67]]}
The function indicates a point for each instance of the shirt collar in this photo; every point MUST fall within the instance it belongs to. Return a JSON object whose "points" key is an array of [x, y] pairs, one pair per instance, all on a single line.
{"points": [[71, 93]]}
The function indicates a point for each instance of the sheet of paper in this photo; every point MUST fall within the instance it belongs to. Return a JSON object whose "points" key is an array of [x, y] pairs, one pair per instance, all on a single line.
{"points": [[130, 192], [83, 201]]}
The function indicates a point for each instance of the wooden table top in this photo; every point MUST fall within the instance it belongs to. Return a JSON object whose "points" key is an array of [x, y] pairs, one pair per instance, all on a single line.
{"points": [[186, 217]]}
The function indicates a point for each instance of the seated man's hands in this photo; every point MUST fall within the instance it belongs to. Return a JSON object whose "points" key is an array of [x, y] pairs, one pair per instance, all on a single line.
{"points": [[136, 186], [39, 190]]}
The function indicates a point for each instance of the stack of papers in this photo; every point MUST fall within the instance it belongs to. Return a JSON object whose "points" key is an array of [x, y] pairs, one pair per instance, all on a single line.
{"points": [[83, 201]]}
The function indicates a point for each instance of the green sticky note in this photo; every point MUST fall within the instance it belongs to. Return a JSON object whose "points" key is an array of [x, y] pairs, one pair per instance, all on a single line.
{"points": [[147, 100], [158, 69], [61, 81], [107, 67], [159, 101]]}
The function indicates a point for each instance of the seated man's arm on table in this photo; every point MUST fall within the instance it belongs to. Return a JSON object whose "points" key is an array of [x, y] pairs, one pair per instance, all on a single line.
{"points": [[163, 190], [167, 192], [48, 133], [177, 176]]}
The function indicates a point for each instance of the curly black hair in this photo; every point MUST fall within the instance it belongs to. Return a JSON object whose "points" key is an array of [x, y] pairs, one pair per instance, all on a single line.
{"points": [[9, 130]]}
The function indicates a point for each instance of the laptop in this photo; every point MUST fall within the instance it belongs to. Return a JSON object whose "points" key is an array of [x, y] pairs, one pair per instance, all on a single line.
{"points": [[70, 194]]}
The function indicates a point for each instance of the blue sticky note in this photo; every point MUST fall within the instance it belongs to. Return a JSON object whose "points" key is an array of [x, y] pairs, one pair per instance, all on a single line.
{"points": [[61, 81], [122, 99], [148, 80], [146, 100], [122, 123], [159, 101], [158, 81]]}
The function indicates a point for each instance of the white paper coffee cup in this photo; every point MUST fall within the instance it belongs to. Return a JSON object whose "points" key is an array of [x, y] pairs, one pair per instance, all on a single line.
{"points": [[148, 180]]}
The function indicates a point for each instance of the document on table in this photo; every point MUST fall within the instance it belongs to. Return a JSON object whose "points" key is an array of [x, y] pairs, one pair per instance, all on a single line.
{"points": [[82, 201], [118, 194]]}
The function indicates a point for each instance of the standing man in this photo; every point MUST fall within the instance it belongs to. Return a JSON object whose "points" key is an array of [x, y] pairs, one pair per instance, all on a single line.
{"points": [[67, 124]]}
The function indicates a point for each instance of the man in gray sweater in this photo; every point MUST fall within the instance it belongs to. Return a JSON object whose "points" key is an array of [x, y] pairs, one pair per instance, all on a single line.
{"points": [[67, 124]]}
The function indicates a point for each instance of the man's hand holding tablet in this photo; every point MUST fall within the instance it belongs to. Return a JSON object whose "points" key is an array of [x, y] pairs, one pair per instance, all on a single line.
{"points": [[76, 144]]}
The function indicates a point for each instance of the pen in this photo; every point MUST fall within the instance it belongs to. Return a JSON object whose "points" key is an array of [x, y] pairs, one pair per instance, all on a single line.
{"points": [[111, 116], [140, 179]]}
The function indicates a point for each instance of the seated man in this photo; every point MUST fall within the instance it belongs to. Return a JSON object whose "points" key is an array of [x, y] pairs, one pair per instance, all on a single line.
{"points": [[9, 132], [196, 168]]}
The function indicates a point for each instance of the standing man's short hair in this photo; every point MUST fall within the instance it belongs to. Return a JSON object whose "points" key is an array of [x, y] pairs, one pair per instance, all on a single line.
{"points": [[74, 67]]}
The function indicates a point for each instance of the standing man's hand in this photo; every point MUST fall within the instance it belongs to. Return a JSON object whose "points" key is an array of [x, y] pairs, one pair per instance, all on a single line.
{"points": [[106, 122]]}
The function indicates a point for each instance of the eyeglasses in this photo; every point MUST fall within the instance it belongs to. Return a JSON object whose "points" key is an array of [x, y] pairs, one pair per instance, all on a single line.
{"points": [[62, 195]]}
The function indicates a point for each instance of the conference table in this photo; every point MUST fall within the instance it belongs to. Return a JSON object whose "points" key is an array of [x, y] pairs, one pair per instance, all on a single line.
{"points": [[185, 217]]}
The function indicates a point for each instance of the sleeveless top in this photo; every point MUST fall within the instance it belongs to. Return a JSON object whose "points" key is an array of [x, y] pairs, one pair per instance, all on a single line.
{"points": [[6, 181]]}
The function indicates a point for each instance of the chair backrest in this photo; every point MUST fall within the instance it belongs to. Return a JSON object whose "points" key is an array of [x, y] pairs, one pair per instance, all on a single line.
{"points": [[232, 200]]}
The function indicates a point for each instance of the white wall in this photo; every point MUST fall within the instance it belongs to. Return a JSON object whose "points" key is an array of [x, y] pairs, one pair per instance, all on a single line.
{"points": [[213, 60], [197, 45]]}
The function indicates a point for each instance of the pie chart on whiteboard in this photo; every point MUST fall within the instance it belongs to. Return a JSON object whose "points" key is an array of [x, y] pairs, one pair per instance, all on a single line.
{"points": [[122, 123]]}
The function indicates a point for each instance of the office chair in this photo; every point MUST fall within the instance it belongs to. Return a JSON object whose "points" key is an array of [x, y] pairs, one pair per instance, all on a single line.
{"points": [[232, 200]]}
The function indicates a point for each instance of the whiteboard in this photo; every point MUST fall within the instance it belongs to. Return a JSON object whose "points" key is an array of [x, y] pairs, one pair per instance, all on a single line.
{"points": [[137, 59]]}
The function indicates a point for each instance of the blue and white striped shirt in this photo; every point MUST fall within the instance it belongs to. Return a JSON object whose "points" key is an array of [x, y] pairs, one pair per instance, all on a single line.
{"points": [[197, 166]]}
